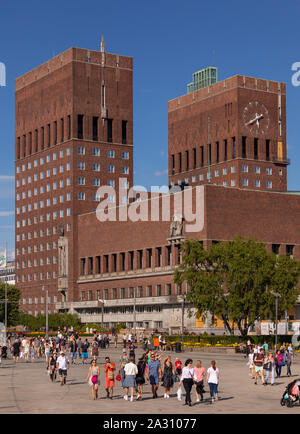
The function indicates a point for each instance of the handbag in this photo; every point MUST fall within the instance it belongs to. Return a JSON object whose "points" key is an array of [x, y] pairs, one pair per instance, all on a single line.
{"points": [[179, 394]]}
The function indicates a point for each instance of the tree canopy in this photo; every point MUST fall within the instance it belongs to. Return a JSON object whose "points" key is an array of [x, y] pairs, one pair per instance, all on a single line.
{"points": [[236, 280], [13, 297]]}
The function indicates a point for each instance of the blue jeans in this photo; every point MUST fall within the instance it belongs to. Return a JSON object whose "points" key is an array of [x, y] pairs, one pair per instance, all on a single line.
{"points": [[268, 374], [213, 389]]}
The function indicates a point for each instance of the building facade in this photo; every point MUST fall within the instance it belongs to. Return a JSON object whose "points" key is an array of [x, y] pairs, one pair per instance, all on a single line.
{"points": [[74, 133]]}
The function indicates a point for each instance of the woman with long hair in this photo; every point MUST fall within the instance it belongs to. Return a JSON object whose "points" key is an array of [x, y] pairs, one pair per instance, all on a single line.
{"points": [[213, 380], [200, 374], [93, 378], [168, 372], [187, 379], [140, 377]]}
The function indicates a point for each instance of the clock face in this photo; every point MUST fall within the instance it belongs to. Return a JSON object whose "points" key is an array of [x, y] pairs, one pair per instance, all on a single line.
{"points": [[256, 117]]}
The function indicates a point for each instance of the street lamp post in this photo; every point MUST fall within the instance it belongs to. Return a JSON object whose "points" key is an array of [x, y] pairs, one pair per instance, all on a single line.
{"points": [[276, 295], [182, 320], [102, 311], [134, 311], [47, 323]]}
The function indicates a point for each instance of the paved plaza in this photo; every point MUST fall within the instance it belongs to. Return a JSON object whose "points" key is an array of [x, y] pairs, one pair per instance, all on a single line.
{"points": [[26, 388]]}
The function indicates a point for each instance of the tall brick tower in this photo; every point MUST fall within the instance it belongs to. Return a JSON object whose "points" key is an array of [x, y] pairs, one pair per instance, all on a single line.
{"points": [[73, 133], [232, 133]]}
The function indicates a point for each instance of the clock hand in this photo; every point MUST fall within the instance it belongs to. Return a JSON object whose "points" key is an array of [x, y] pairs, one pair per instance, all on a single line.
{"points": [[256, 119]]}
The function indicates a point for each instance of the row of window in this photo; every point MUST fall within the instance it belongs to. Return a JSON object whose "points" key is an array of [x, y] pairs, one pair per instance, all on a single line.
{"points": [[198, 157], [110, 153], [36, 248], [38, 300], [123, 261], [36, 276], [24, 236], [36, 178], [36, 262], [55, 200], [61, 213], [131, 292], [96, 168], [45, 137]]}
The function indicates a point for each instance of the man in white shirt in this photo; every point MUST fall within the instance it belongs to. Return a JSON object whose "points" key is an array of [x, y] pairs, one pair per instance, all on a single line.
{"points": [[130, 371], [62, 365]]}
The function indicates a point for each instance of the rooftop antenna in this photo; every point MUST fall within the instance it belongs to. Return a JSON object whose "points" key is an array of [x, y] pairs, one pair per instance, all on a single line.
{"points": [[213, 58], [102, 46]]}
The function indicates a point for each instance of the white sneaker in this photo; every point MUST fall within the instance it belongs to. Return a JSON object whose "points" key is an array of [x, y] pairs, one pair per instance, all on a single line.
{"points": [[167, 396], [126, 398], [197, 400], [131, 399], [216, 397]]}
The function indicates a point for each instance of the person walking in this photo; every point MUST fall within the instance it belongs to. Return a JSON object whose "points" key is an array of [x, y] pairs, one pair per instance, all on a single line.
{"points": [[73, 350], [26, 350], [124, 359], [79, 345], [130, 372], [288, 362], [109, 369], [251, 363], [84, 349], [213, 378], [131, 349], [95, 349], [116, 340], [62, 366], [269, 367], [279, 362], [167, 376], [187, 379], [16, 350], [258, 366], [47, 351], [52, 367], [93, 378], [140, 377], [154, 374], [199, 371]]}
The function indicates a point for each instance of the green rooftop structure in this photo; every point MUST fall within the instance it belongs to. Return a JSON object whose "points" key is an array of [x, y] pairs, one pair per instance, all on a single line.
{"points": [[203, 78]]}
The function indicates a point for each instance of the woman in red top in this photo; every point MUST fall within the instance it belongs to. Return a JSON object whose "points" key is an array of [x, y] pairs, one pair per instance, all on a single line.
{"points": [[109, 369], [178, 368]]}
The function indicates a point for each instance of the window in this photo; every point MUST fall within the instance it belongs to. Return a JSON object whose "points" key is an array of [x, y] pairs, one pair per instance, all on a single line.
{"points": [[269, 170], [257, 183], [81, 181], [244, 168], [245, 181], [233, 183], [96, 182], [244, 147], [269, 184], [232, 169], [275, 248], [81, 150], [256, 169], [81, 195], [124, 132], [96, 152], [289, 250], [81, 165], [255, 148], [111, 169], [80, 127], [111, 154], [125, 155], [96, 167], [225, 171], [267, 150], [125, 170], [111, 183], [95, 128], [109, 130], [168, 289]]}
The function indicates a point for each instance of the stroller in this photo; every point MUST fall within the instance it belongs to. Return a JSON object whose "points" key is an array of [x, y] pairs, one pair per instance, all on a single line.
{"points": [[291, 394], [4, 352]]}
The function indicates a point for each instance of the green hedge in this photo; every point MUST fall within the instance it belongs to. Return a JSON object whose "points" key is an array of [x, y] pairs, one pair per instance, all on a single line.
{"points": [[229, 339]]}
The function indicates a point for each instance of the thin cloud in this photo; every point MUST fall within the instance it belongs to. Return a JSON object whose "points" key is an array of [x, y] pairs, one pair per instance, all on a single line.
{"points": [[161, 173], [6, 213], [7, 178]]}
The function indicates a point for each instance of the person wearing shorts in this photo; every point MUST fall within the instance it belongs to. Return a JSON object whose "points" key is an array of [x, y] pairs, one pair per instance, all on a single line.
{"points": [[109, 369], [62, 365], [84, 352], [154, 374], [258, 366]]}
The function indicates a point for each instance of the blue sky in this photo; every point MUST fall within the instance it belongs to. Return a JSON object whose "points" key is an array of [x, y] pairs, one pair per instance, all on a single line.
{"points": [[169, 40]]}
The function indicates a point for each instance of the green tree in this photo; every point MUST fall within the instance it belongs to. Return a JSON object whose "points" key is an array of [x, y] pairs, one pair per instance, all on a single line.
{"points": [[13, 297], [235, 280]]}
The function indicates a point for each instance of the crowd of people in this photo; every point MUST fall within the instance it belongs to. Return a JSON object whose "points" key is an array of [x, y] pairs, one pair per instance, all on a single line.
{"points": [[153, 367], [264, 363]]}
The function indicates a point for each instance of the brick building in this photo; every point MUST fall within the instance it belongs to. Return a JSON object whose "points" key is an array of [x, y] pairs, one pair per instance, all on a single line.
{"points": [[227, 142]]}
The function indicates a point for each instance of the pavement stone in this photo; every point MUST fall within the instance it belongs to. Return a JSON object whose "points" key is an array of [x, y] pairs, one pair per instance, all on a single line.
{"points": [[25, 388]]}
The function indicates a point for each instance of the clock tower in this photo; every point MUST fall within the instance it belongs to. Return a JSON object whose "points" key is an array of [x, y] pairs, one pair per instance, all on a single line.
{"points": [[231, 133]]}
